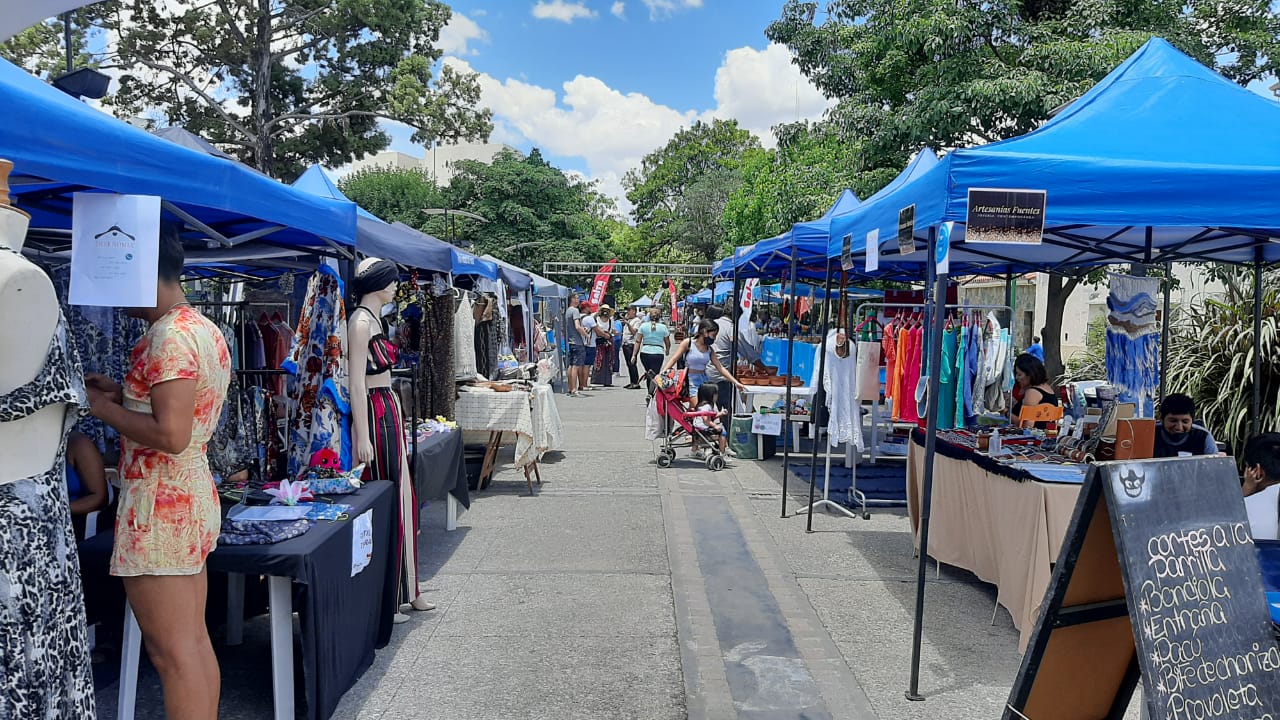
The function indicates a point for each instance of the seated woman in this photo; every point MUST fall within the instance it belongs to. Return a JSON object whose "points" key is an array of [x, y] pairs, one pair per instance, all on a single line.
{"points": [[1030, 375], [86, 480]]}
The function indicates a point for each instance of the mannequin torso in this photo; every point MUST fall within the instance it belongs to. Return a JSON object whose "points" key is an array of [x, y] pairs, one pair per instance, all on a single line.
{"points": [[29, 445]]}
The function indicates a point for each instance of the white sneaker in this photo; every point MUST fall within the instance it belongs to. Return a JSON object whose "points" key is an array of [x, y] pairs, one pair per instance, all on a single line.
{"points": [[400, 618]]}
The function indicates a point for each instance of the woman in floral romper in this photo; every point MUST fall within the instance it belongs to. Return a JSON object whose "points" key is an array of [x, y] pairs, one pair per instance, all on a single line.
{"points": [[169, 517]]}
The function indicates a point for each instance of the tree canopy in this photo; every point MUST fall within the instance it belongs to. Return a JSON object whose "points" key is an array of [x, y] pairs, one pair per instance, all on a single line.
{"points": [[533, 212], [705, 155], [909, 74], [282, 83]]}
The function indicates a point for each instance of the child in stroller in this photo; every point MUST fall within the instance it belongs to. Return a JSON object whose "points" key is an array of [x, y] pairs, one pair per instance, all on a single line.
{"points": [[708, 394], [670, 408]]}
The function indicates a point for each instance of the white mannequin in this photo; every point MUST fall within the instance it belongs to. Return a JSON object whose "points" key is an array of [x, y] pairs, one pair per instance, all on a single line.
{"points": [[27, 446], [361, 326]]}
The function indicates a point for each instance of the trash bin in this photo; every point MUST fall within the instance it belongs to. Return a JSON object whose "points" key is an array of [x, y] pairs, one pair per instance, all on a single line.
{"points": [[740, 438]]}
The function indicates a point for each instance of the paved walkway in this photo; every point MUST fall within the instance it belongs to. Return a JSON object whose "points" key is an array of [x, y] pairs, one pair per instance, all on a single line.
{"points": [[625, 591]]}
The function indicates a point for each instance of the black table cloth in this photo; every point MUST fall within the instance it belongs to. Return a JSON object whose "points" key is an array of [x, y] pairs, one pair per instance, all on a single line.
{"points": [[343, 617], [439, 468]]}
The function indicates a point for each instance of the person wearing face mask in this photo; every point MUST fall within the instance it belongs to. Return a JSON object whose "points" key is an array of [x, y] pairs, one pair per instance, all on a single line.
{"points": [[1177, 435]]}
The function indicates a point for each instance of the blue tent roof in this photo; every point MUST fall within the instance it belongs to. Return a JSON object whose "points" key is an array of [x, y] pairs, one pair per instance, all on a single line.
{"points": [[375, 238], [464, 263], [1161, 161], [60, 146], [513, 277], [807, 241]]}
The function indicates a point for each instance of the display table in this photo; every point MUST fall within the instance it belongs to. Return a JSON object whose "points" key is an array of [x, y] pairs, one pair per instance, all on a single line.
{"points": [[343, 617], [440, 473], [1003, 524], [749, 402], [482, 409]]}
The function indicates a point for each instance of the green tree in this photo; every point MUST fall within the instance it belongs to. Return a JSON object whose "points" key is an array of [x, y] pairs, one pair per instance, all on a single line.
{"points": [[908, 74], [535, 212], [665, 175], [796, 182], [394, 194], [290, 82], [41, 50]]}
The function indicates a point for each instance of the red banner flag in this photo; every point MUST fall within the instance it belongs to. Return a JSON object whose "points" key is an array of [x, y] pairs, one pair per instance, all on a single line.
{"points": [[671, 286], [600, 286]]}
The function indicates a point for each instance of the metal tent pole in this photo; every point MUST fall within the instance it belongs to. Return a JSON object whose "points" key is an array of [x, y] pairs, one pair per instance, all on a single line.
{"points": [[930, 446], [1164, 331], [819, 400], [736, 309], [792, 322], [1257, 341]]}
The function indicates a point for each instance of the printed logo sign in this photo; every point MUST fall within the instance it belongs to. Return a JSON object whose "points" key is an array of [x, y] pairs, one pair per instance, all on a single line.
{"points": [[1007, 217]]}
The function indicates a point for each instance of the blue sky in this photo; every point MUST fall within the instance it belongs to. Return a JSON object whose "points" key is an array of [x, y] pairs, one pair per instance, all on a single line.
{"points": [[597, 84]]}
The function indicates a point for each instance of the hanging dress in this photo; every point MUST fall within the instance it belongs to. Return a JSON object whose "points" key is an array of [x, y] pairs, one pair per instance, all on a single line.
{"points": [[957, 366], [44, 650], [889, 349], [840, 380], [900, 392], [464, 341], [911, 375], [318, 401], [947, 381]]}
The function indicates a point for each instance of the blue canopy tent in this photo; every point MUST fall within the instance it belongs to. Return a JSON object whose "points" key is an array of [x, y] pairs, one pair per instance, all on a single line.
{"points": [[806, 242], [464, 263], [376, 238], [1161, 161], [62, 146], [513, 277]]}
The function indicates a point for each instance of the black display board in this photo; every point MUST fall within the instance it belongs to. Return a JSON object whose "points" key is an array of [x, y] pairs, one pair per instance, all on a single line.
{"points": [[1158, 579], [907, 230]]}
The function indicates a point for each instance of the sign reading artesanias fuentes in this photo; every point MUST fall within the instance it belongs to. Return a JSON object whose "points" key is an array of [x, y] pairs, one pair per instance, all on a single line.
{"points": [[998, 215]]}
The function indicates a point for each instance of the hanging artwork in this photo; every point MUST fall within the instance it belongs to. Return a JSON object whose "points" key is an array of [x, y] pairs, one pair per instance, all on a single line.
{"points": [[1133, 341]]}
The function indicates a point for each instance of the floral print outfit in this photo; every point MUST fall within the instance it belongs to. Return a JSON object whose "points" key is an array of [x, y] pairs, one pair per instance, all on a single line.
{"points": [[319, 409], [169, 517]]}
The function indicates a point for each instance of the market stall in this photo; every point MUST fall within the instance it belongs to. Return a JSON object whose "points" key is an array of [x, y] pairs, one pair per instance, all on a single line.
{"points": [[1142, 169], [1002, 521]]}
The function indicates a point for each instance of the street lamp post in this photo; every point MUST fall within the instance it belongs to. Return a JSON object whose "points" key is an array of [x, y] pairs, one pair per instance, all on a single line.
{"points": [[450, 224]]}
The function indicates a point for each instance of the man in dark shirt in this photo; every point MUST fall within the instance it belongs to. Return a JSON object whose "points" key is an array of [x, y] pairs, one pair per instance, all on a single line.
{"points": [[1177, 435]]}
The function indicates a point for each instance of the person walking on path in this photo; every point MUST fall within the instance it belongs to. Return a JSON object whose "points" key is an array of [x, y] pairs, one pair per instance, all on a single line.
{"points": [[698, 354], [630, 331], [577, 337], [602, 372], [654, 343]]}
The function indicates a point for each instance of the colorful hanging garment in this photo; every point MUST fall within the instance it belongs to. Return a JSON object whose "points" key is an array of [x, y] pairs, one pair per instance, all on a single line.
{"points": [[889, 348], [947, 380], [318, 401], [969, 367], [957, 364], [1133, 341], [911, 376], [900, 391]]}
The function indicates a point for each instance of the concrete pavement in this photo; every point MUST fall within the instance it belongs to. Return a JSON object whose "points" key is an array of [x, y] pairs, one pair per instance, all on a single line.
{"points": [[624, 591]]}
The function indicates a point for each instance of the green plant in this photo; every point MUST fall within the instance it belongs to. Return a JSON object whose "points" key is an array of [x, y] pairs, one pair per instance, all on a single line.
{"points": [[1211, 357], [1089, 364]]}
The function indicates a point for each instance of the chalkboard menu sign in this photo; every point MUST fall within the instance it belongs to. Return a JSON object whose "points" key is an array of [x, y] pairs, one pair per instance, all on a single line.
{"points": [[1162, 547], [907, 230]]}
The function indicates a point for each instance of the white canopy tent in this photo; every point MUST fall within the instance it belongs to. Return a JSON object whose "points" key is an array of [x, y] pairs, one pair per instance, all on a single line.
{"points": [[18, 15]]}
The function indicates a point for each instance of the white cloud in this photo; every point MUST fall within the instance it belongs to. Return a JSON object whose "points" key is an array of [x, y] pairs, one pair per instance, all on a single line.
{"points": [[664, 8], [613, 130], [457, 36], [619, 9], [763, 88], [565, 12]]}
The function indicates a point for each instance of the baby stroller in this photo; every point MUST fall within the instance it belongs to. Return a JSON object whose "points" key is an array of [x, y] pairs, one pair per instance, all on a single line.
{"points": [[678, 419]]}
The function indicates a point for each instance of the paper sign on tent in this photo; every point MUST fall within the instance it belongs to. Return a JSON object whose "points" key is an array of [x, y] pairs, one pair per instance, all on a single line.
{"points": [[115, 241]]}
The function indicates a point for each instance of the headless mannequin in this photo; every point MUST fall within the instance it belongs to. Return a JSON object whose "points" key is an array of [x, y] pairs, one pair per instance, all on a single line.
{"points": [[27, 446], [362, 326]]}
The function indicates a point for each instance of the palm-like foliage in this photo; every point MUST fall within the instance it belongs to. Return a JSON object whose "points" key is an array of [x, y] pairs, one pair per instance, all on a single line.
{"points": [[1211, 356]]}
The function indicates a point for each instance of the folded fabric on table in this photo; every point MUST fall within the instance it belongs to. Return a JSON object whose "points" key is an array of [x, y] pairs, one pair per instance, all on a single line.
{"points": [[260, 532]]}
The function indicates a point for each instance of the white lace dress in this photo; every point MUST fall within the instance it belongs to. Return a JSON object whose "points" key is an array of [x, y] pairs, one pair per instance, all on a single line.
{"points": [[840, 380], [464, 342]]}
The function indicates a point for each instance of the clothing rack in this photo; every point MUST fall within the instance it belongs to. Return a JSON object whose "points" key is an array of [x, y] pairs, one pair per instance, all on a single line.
{"points": [[876, 405]]}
